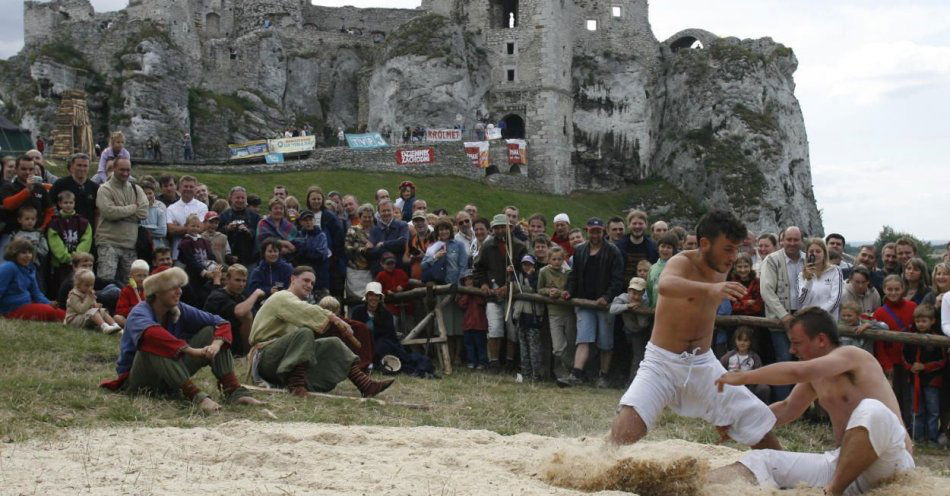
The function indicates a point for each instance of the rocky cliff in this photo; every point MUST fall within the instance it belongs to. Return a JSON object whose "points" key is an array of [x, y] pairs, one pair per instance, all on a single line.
{"points": [[716, 125]]}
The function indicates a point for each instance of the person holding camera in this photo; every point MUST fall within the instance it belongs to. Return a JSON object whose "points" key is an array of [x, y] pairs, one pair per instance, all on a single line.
{"points": [[25, 189], [820, 284], [239, 223]]}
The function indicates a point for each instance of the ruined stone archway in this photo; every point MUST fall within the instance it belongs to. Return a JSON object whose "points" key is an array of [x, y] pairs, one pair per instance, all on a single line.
{"points": [[690, 38], [514, 127]]}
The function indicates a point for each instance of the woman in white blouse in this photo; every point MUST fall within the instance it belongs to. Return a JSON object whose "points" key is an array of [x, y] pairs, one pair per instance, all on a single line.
{"points": [[820, 284]]}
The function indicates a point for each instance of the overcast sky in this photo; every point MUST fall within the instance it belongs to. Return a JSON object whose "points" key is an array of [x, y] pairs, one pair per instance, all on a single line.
{"points": [[873, 81]]}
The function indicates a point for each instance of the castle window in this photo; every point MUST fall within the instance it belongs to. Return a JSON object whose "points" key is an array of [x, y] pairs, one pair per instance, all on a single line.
{"points": [[503, 14], [591, 25], [511, 75], [510, 48], [617, 11]]}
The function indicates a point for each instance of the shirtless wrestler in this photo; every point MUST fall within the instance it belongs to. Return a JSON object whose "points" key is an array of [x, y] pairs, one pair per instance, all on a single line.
{"points": [[679, 370], [849, 384]]}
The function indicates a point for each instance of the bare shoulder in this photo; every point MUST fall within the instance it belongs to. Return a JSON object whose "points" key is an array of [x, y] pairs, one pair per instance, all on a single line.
{"points": [[681, 264]]}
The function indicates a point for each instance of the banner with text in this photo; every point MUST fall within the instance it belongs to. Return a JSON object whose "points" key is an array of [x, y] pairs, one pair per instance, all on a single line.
{"points": [[517, 152], [365, 141], [274, 158], [415, 156], [250, 149], [443, 135], [477, 152], [292, 145], [493, 133]]}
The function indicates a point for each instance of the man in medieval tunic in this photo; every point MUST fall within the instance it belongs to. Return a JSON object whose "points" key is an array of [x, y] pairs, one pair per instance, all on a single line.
{"points": [[166, 342], [289, 352]]}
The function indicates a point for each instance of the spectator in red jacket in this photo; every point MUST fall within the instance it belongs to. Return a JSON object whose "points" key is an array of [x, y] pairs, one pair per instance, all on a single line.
{"points": [[898, 314], [751, 303], [394, 280], [133, 293]]}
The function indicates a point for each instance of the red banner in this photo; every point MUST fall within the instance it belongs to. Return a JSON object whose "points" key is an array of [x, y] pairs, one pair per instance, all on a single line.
{"points": [[477, 152], [517, 152], [415, 156]]}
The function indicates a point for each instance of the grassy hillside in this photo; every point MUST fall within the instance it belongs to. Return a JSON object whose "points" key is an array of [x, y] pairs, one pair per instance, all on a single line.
{"points": [[451, 193]]}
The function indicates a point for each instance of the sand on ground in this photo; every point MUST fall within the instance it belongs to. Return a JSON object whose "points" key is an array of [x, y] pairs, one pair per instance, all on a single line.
{"points": [[270, 458]]}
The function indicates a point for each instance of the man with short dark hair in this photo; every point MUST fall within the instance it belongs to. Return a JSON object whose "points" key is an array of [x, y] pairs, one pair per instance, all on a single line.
{"points": [[78, 182], [230, 303], [597, 274], [849, 384], [867, 256], [514, 218], [388, 235], [289, 352], [169, 194], [889, 259], [906, 250], [836, 243], [679, 365], [615, 230], [24, 190]]}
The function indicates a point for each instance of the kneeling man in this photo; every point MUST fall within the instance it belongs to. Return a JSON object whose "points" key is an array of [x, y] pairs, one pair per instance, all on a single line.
{"points": [[288, 351], [849, 384], [166, 342]]}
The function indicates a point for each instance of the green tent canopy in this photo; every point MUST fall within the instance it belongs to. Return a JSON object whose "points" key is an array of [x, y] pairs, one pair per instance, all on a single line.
{"points": [[13, 139]]}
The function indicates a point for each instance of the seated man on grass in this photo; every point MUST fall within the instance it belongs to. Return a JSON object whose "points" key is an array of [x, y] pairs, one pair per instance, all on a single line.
{"points": [[288, 349], [166, 342], [848, 382]]}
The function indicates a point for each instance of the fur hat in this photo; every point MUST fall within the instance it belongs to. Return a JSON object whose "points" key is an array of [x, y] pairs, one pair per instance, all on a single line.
{"points": [[164, 280]]}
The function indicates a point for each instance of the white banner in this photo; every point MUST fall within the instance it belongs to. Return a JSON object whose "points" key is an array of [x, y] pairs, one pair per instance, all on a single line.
{"points": [[443, 135]]}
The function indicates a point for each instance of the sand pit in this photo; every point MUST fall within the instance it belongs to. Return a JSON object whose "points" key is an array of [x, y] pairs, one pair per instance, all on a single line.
{"points": [[242, 457]]}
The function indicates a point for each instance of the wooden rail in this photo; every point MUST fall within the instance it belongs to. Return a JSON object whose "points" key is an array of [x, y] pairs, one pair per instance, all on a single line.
{"points": [[773, 325]]}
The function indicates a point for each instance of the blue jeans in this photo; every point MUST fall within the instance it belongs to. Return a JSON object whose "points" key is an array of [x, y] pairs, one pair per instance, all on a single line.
{"points": [[592, 327], [476, 347], [780, 346], [925, 424]]}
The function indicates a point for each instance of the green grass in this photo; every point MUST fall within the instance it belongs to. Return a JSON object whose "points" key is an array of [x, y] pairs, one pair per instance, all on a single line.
{"points": [[450, 193], [51, 374]]}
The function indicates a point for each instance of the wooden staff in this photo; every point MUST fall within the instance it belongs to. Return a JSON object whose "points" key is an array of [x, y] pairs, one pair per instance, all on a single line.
{"points": [[414, 406]]}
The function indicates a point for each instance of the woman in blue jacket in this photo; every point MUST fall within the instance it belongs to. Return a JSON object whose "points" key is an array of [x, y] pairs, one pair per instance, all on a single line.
{"points": [[445, 266]]}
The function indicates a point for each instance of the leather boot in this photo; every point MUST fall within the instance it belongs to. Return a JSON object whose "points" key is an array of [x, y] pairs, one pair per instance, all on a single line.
{"points": [[297, 381], [367, 387]]}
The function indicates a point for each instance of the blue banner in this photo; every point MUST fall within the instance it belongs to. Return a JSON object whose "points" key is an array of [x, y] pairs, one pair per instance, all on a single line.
{"points": [[274, 158], [365, 141]]}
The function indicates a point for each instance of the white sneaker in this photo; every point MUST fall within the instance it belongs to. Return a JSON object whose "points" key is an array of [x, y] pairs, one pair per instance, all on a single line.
{"points": [[110, 328]]}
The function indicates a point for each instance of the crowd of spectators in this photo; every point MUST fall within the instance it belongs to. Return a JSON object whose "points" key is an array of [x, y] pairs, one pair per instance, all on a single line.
{"points": [[81, 250]]}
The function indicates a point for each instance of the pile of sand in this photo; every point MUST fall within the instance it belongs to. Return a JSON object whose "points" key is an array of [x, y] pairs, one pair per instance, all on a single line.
{"points": [[243, 457]]}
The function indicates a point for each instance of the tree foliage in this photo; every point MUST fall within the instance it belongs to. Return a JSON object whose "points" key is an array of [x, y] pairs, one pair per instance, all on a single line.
{"points": [[889, 235]]}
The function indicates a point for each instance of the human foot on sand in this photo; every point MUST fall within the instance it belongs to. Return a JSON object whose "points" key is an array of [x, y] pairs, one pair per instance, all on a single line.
{"points": [[209, 405]]}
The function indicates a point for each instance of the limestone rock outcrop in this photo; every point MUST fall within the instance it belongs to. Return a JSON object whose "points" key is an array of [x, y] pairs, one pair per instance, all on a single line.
{"points": [[712, 122]]}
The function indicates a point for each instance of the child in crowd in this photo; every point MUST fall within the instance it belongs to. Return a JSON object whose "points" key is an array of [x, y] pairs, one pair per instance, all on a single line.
{"points": [[898, 314], [666, 246], [924, 366], [313, 249], [743, 359], [133, 293], [552, 280], [530, 317], [643, 270], [154, 222], [107, 291], [542, 247], [636, 326], [750, 304], [293, 208], [474, 324], [68, 233], [394, 280], [194, 252], [273, 273], [161, 257], [27, 218], [220, 247], [851, 315], [82, 310]]}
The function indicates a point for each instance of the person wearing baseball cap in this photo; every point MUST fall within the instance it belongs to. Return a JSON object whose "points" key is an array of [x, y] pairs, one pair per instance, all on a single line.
{"points": [[491, 275], [166, 341], [636, 326], [597, 274]]}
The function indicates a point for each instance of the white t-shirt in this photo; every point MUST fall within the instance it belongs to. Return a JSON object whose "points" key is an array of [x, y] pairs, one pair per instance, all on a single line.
{"points": [[177, 213], [739, 362]]}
